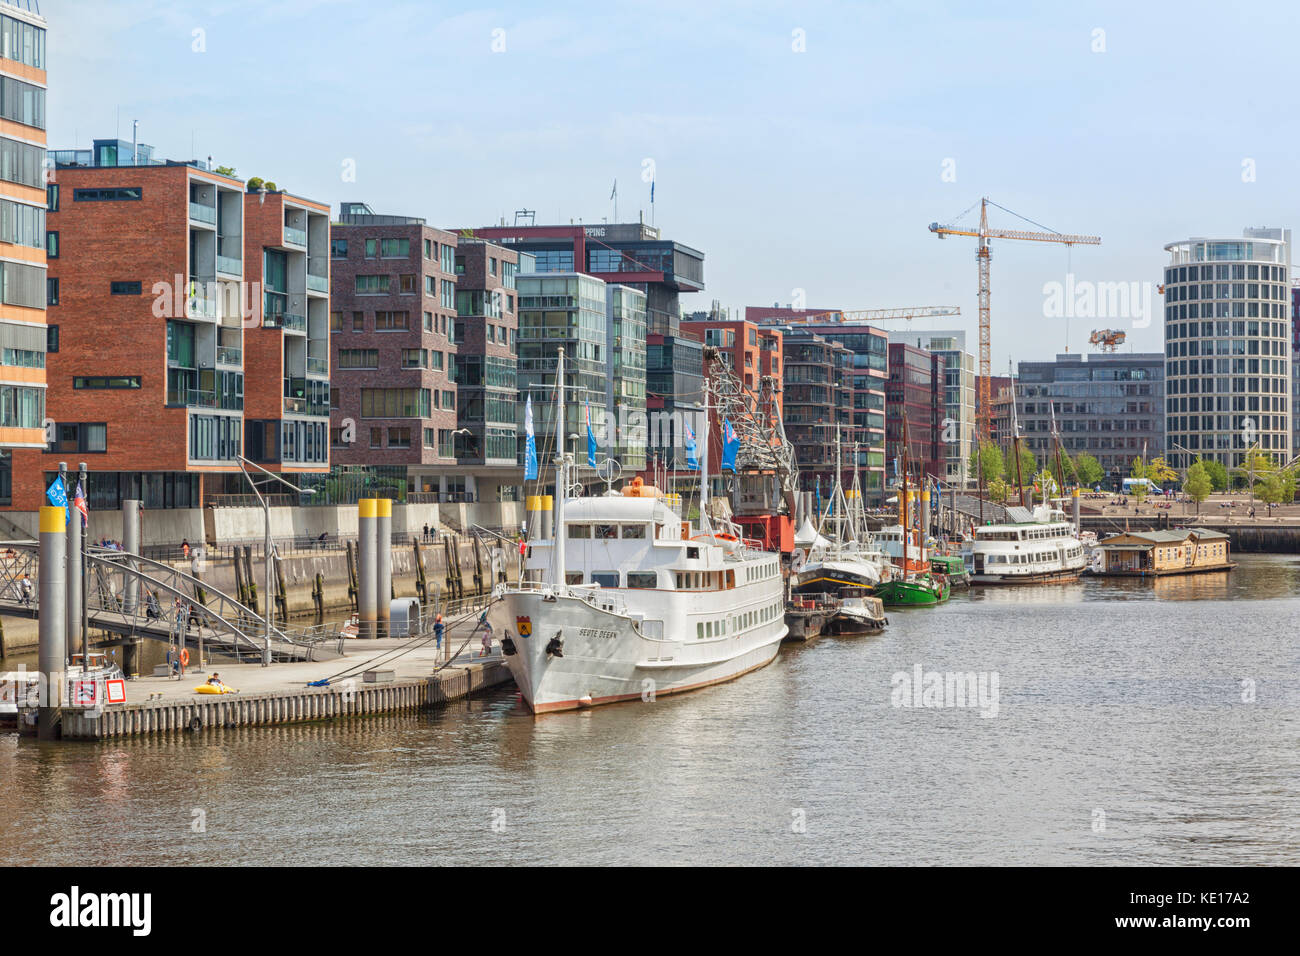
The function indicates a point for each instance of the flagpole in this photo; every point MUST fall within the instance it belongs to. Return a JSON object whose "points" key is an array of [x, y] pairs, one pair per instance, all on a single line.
{"points": [[85, 553]]}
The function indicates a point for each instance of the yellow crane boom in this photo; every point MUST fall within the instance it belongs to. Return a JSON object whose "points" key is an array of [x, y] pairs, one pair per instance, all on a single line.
{"points": [[982, 255]]}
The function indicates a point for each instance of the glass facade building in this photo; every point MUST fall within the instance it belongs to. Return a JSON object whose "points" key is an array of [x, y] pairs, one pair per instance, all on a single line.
{"points": [[1228, 347]]}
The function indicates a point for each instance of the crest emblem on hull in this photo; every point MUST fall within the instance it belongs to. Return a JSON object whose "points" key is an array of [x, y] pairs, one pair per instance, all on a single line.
{"points": [[524, 625]]}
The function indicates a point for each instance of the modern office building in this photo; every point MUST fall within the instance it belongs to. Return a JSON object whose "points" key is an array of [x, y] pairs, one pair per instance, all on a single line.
{"points": [[572, 311], [630, 254], [914, 392], [393, 321], [286, 347], [818, 406], [487, 344], [957, 427], [23, 200], [674, 393], [1228, 347], [148, 306], [1106, 404], [870, 354]]}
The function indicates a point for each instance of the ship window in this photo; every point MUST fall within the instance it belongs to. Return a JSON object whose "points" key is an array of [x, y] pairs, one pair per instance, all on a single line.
{"points": [[642, 579], [692, 553], [633, 531], [579, 531], [606, 579], [573, 577], [606, 531]]}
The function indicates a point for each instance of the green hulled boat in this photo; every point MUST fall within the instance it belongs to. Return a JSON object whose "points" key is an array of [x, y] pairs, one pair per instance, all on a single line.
{"points": [[952, 567], [921, 591]]}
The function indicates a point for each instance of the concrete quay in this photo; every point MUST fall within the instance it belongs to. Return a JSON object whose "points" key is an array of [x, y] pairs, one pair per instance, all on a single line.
{"points": [[267, 696]]}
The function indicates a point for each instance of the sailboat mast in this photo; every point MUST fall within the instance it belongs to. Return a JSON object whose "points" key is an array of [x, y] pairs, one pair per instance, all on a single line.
{"points": [[907, 524], [561, 477], [704, 464]]}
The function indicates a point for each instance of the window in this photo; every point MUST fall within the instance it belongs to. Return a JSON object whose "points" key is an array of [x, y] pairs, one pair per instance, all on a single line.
{"points": [[492, 269], [448, 258], [51, 338], [428, 248], [79, 437], [358, 321], [448, 294], [124, 288], [105, 381], [24, 42], [429, 440], [52, 245], [606, 532], [372, 248], [395, 248], [52, 291], [435, 360], [21, 163], [392, 321], [428, 321], [414, 358], [430, 285], [358, 358], [406, 285], [579, 531], [372, 284], [338, 248], [336, 321], [642, 579], [120, 194], [633, 531], [376, 438], [399, 438], [395, 403], [606, 579]]}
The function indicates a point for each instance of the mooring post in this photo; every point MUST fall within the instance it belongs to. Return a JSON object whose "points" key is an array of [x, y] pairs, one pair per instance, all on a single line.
{"points": [[131, 545], [383, 565], [367, 571], [52, 574], [75, 638], [1077, 521]]}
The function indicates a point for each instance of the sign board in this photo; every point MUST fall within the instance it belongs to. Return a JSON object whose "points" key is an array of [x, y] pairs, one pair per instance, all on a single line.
{"points": [[85, 693], [115, 691]]}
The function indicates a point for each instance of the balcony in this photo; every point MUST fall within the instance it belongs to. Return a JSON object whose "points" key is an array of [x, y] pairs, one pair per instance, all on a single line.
{"points": [[317, 366], [230, 355], [293, 322], [196, 398], [317, 283], [295, 237], [296, 405], [230, 265], [199, 307], [201, 213]]}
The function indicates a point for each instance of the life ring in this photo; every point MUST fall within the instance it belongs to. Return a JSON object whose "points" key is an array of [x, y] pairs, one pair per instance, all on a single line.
{"points": [[185, 657]]}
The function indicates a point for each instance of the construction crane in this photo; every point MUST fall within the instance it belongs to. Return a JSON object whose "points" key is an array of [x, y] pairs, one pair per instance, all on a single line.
{"points": [[867, 316], [982, 256], [1107, 340]]}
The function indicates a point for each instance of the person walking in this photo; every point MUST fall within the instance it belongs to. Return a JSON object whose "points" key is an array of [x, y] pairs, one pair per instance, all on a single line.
{"points": [[185, 547], [26, 590], [437, 631]]}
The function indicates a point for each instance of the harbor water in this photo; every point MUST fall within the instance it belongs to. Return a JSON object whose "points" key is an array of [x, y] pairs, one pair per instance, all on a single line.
{"points": [[1133, 723]]}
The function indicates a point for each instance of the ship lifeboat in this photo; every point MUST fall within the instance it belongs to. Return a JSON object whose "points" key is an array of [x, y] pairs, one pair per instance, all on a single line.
{"points": [[636, 488]]}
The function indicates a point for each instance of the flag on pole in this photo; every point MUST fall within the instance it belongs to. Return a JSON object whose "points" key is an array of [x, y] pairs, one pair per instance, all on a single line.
{"points": [[652, 191], [530, 443], [730, 445], [591, 440], [57, 495], [614, 192], [692, 458], [79, 502]]}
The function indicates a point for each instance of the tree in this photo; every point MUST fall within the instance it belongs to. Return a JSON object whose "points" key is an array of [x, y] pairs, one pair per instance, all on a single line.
{"points": [[1256, 466], [1198, 484], [1160, 472], [1028, 465], [998, 491], [986, 461], [1139, 489], [1088, 469], [254, 184], [1277, 487], [1217, 472], [225, 170]]}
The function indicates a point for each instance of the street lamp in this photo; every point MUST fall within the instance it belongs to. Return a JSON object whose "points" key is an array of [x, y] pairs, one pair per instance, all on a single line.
{"points": [[266, 517]]}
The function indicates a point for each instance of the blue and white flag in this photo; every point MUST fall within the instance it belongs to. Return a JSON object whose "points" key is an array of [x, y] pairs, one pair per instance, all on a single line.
{"points": [[58, 496], [591, 440], [730, 445], [692, 457], [530, 443]]}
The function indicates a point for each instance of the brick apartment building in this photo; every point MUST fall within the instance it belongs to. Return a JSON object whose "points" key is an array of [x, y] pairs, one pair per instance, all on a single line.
{"points": [[393, 352], [23, 229], [819, 406]]}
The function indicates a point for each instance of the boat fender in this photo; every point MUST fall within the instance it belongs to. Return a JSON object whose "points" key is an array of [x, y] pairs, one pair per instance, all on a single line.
{"points": [[556, 646], [195, 725], [507, 646]]}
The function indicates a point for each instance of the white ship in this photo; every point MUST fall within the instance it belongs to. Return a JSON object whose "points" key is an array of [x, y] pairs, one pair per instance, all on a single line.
{"points": [[627, 601], [1031, 548]]}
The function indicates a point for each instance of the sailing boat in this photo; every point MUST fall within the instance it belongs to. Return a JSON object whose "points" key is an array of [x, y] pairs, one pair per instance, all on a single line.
{"points": [[915, 586], [627, 599], [845, 559]]}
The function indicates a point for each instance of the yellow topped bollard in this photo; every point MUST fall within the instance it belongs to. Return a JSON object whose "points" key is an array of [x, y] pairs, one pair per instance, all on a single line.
{"points": [[52, 618], [367, 567]]}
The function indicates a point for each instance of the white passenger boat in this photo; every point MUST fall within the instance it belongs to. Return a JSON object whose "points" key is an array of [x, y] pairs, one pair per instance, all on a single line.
{"points": [[1031, 548], [626, 601]]}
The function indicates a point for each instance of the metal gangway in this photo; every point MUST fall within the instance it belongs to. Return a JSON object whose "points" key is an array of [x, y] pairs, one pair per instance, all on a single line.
{"points": [[136, 597]]}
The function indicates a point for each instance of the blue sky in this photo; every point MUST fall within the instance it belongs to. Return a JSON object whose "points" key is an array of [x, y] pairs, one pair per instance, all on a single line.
{"points": [[816, 170]]}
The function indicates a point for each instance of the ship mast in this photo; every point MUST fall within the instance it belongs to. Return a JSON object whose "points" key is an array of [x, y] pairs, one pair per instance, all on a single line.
{"points": [[704, 465], [561, 478], [907, 525]]}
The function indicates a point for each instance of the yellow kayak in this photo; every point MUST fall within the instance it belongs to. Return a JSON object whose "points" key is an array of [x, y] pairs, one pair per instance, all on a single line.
{"points": [[215, 689]]}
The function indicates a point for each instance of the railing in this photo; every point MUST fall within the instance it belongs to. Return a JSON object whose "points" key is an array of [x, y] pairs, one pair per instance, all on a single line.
{"points": [[231, 265], [317, 283], [293, 322], [201, 213], [197, 307], [193, 398], [295, 236], [229, 355], [297, 405], [317, 366]]}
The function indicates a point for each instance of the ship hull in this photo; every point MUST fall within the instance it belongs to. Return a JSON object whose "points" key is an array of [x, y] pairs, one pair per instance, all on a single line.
{"points": [[1058, 576], [606, 656]]}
